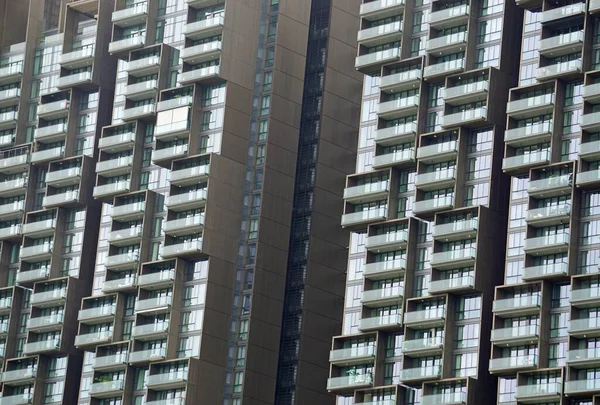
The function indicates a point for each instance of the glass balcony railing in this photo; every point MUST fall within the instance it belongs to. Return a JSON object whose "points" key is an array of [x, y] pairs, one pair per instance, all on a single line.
{"points": [[396, 133], [78, 57], [33, 275], [419, 345], [447, 398], [197, 27], [545, 270], [117, 141], [420, 373], [528, 134], [361, 217], [572, 387], [400, 79], [530, 159], [583, 325], [570, 40], [447, 15], [41, 346], [70, 174], [444, 68], [171, 152], [361, 352], [35, 251], [110, 360], [518, 303], [46, 155], [176, 225], [112, 188], [145, 64], [507, 363], [394, 158], [138, 112], [12, 185], [44, 226], [441, 43], [548, 241], [554, 211], [379, 322], [379, 6], [376, 58], [122, 259], [584, 294], [15, 69], [98, 312], [558, 69], [184, 101], [194, 197], [590, 121], [376, 188], [13, 231], [51, 131], [169, 131], [189, 247], [350, 381], [172, 401], [137, 10], [445, 148], [517, 106], [6, 140], [438, 203], [587, 178], [476, 114], [93, 338], [392, 107], [452, 284], [384, 267], [393, 238], [74, 79], [113, 166], [60, 199], [136, 208], [146, 87], [166, 379], [119, 284], [382, 294], [369, 34], [5, 303], [196, 75], [106, 387], [56, 108], [594, 5], [150, 304], [197, 53], [45, 321], [551, 183], [380, 402], [583, 355], [20, 374], [425, 316], [559, 13], [453, 256], [59, 294], [453, 228], [458, 92], [589, 149], [17, 399], [9, 162], [152, 329], [537, 390], [9, 118], [158, 278], [517, 332], [127, 234], [142, 356], [439, 176]]}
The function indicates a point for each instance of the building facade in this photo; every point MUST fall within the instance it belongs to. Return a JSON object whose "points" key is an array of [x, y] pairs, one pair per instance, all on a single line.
{"points": [[473, 259], [171, 187]]}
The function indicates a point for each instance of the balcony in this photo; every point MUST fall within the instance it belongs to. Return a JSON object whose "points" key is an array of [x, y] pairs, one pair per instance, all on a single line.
{"points": [[563, 68], [77, 59], [184, 226], [59, 178], [447, 398], [539, 393], [172, 131], [554, 214], [160, 304], [184, 101], [438, 152], [464, 229], [397, 108], [127, 212], [139, 112], [131, 16], [531, 106], [585, 297], [54, 110], [198, 75], [169, 380], [198, 54], [430, 346], [12, 210], [7, 140], [146, 356], [12, 73], [203, 28], [551, 186], [45, 323], [169, 153], [74, 80], [452, 285], [397, 134], [36, 253], [386, 269], [152, 331], [14, 163], [584, 327], [190, 175], [23, 376], [382, 297], [49, 298], [47, 155], [8, 119], [364, 217], [471, 116], [352, 355], [186, 201], [190, 248], [436, 180], [397, 82], [15, 187], [546, 271], [420, 374], [380, 9], [590, 151], [51, 133], [61, 199], [350, 382], [449, 17], [119, 284], [94, 338], [466, 93], [102, 314], [432, 205], [591, 93], [563, 44], [425, 318], [117, 143], [515, 336], [386, 242], [559, 13], [111, 362], [10, 232], [582, 387], [594, 6], [548, 244], [107, 389], [522, 162], [591, 122], [10, 97], [584, 358], [367, 192], [6, 305], [43, 346], [589, 178], [158, 280], [374, 59], [447, 44], [111, 189], [141, 90], [17, 399], [513, 364], [144, 66], [126, 236], [31, 276], [40, 228], [454, 258], [381, 34], [381, 322], [122, 261], [518, 306]]}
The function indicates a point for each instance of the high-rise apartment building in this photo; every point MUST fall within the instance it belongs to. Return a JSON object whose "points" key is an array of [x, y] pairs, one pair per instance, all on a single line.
{"points": [[171, 187], [473, 274]]}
